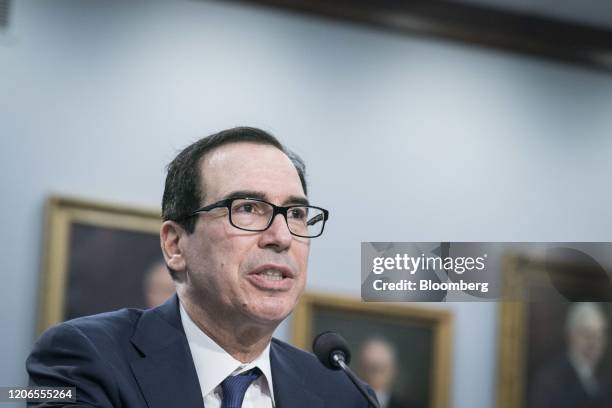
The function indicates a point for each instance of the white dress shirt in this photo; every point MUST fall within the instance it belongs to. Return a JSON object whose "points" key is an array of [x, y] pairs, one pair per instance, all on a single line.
{"points": [[213, 365], [586, 374], [383, 398]]}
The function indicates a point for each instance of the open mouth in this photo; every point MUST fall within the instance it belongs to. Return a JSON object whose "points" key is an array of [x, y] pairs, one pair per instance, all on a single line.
{"points": [[272, 277], [272, 274]]}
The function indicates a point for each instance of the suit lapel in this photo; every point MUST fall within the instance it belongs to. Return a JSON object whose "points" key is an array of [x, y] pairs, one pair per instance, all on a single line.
{"points": [[165, 372], [289, 389], [167, 377]]}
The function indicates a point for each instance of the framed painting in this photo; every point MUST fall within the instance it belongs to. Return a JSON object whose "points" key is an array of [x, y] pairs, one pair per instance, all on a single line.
{"points": [[99, 257], [552, 340], [402, 351]]}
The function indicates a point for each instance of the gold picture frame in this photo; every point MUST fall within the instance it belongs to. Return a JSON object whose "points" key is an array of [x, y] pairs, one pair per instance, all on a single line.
{"points": [[512, 314], [436, 322], [63, 215]]}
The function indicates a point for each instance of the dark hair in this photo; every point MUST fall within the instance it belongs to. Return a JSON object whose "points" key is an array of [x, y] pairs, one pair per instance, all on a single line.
{"points": [[182, 193]]}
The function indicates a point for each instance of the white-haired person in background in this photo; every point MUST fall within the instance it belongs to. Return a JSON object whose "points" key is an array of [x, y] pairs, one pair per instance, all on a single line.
{"points": [[572, 381]]}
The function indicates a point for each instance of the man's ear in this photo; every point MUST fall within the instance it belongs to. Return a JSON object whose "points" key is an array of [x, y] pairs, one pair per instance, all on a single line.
{"points": [[170, 235]]}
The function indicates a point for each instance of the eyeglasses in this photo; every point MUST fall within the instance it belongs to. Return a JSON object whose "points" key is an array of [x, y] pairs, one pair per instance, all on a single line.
{"points": [[252, 214]]}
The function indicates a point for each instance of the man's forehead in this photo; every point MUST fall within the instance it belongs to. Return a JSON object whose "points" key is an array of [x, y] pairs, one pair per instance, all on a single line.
{"points": [[246, 166]]}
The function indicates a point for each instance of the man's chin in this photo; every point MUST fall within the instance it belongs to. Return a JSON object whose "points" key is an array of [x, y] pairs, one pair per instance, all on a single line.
{"points": [[271, 311]]}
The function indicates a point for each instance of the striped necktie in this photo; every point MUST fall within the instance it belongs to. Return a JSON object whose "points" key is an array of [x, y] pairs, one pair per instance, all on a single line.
{"points": [[234, 387]]}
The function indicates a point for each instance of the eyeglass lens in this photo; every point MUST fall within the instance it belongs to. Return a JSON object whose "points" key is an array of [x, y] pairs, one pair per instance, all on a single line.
{"points": [[255, 215]]}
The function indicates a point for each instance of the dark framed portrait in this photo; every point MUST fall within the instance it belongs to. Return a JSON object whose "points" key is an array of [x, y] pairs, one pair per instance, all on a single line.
{"points": [[553, 351], [402, 351], [100, 257]]}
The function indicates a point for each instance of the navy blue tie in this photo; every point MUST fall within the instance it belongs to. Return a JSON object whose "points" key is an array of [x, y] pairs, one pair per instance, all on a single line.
{"points": [[234, 388]]}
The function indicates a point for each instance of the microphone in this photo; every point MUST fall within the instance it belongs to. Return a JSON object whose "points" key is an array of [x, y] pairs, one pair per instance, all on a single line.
{"points": [[333, 352]]}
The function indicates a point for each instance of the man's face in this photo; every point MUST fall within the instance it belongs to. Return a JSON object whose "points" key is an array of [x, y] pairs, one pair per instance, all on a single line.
{"points": [[378, 365], [588, 340], [226, 266]]}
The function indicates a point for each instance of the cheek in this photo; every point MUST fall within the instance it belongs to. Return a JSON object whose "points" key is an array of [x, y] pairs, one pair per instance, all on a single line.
{"points": [[304, 254], [301, 258], [212, 260], [231, 256], [301, 250]]}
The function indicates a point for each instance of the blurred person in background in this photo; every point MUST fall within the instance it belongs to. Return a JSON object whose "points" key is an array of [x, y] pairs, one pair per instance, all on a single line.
{"points": [[572, 381], [378, 363], [158, 285]]}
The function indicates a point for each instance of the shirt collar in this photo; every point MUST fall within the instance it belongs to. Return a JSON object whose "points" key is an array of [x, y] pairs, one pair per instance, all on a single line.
{"points": [[213, 364], [584, 369], [383, 397]]}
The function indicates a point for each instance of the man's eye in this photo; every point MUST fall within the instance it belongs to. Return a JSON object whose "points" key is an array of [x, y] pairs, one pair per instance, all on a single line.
{"points": [[246, 208], [297, 213]]}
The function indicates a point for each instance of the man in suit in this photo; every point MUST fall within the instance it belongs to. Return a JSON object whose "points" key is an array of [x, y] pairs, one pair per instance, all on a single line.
{"points": [[236, 239], [378, 363], [572, 381]]}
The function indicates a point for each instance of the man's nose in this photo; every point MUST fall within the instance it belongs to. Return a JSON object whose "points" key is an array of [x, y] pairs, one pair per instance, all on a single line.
{"points": [[277, 236]]}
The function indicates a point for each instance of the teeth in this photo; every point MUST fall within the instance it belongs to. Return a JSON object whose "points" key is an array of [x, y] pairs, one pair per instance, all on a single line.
{"points": [[271, 274]]}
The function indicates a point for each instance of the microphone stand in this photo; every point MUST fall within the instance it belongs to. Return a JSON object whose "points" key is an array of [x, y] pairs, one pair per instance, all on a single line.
{"points": [[338, 358]]}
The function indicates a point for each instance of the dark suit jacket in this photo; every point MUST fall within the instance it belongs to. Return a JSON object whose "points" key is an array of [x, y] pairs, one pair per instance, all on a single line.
{"points": [[558, 386], [134, 358], [396, 402]]}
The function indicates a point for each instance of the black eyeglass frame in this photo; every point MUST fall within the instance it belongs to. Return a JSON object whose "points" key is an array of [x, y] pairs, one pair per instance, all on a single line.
{"points": [[227, 203]]}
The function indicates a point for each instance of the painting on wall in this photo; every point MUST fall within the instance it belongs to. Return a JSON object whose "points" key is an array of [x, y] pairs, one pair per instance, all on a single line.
{"points": [[98, 258], [553, 351], [402, 351]]}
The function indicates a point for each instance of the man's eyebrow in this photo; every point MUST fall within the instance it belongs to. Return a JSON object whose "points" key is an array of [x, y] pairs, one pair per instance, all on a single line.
{"points": [[296, 200], [260, 195], [246, 193]]}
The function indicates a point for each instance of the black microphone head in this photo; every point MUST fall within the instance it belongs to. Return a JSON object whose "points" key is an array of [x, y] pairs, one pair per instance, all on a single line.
{"points": [[326, 344]]}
